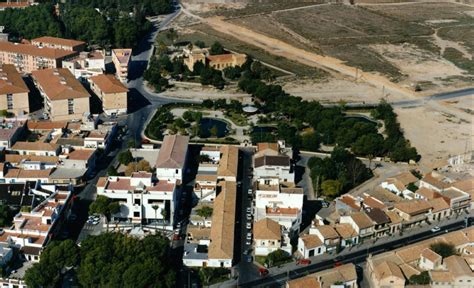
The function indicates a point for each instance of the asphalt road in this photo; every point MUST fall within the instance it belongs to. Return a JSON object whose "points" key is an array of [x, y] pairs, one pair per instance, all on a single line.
{"points": [[356, 257]]}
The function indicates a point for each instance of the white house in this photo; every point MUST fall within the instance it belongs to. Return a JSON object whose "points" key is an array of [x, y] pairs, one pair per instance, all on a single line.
{"points": [[269, 162], [36, 148], [213, 153], [278, 202], [430, 260], [171, 162], [270, 236], [310, 245], [399, 183], [142, 199], [360, 222]]}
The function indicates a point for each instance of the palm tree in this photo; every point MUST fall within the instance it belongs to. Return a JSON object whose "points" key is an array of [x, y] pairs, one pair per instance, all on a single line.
{"points": [[155, 207], [164, 214]]}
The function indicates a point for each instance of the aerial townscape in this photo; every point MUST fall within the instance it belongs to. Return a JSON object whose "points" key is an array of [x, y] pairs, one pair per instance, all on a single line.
{"points": [[237, 143]]}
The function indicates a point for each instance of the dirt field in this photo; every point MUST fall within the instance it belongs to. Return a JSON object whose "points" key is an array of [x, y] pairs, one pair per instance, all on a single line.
{"points": [[435, 29], [439, 129]]}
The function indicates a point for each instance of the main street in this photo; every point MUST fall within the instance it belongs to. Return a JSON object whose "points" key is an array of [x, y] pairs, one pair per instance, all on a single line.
{"points": [[358, 254]]}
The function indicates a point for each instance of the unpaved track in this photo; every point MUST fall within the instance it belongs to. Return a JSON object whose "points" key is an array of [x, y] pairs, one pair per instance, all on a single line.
{"points": [[283, 49]]}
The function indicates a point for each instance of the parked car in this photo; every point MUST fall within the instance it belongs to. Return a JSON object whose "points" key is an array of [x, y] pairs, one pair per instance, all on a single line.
{"points": [[263, 271], [249, 259], [303, 262], [249, 236], [248, 242], [250, 191], [435, 229], [249, 217], [249, 225], [249, 210]]}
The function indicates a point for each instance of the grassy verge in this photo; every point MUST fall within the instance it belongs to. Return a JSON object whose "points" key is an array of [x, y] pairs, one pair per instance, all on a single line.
{"points": [[458, 59]]}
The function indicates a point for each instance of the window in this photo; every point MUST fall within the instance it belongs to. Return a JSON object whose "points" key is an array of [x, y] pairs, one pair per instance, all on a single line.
{"points": [[177, 171], [70, 106], [137, 202], [9, 101], [136, 214]]}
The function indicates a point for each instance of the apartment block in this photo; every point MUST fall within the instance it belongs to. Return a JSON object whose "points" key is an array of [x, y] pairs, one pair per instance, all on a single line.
{"points": [[111, 92], [138, 196], [121, 59], [64, 96], [28, 58], [59, 43], [13, 91], [86, 65]]}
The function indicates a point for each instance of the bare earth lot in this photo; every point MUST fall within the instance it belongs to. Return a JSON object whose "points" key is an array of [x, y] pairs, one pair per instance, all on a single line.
{"points": [[366, 53], [439, 129]]}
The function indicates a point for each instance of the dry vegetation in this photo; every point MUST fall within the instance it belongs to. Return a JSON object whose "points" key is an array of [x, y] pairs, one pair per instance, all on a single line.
{"points": [[352, 34]]}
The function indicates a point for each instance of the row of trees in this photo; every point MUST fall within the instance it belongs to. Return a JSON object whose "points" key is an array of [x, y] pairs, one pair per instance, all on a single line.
{"points": [[107, 260], [118, 24], [337, 174], [328, 125]]}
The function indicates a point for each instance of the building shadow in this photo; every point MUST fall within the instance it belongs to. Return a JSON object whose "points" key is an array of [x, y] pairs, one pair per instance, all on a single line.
{"points": [[136, 101], [34, 97]]}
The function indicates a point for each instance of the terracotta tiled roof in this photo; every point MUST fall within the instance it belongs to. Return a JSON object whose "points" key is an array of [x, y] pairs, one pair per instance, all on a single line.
{"points": [[173, 152], [345, 230], [304, 282], [465, 185], [34, 146], [430, 179], [82, 154], [441, 276], [413, 207], [223, 223], [28, 49], [229, 161], [438, 204], [27, 174], [59, 84], [102, 182], [11, 81], [458, 266], [427, 193], [430, 255], [46, 125], [362, 220], [311, 241], [58, 41], [16, 158], [327, 232], [394, 217], [267, 229], [405, 178], [373, 203], [107, 83], [388, 269]]}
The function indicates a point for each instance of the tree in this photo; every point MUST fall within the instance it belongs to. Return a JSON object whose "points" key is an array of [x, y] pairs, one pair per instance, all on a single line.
{"points": [[172, 35], [412, 187], [54, 260], [443, 249], [421, 279], [111, 171], [232, 72], [205, 211], [369, 145], [216, 49], [276, 257], [206, 274], [331, 188], [105, 206], [125, 157], [118, 260], [142, 165], [200, 44], [311, 141], [155, 207]]}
